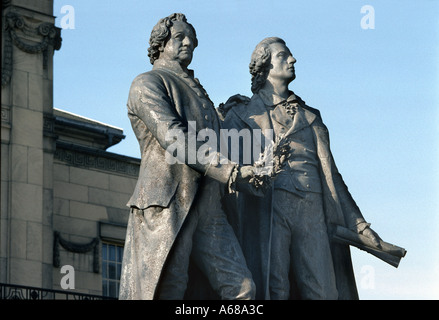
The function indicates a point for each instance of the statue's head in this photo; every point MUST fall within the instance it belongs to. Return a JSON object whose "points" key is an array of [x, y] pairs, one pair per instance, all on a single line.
{"points": [[261, 62], [174, 38]]}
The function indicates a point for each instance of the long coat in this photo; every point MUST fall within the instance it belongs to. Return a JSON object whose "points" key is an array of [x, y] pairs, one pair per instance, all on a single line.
{"points": [[164, 99], [251, 216]]}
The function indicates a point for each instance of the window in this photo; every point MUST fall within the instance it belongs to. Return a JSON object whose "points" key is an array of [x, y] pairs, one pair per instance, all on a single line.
{"points": [[111, 268]]}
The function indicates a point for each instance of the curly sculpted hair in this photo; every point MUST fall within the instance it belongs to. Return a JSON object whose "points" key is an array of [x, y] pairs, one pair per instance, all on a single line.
{"points": [[161, 33], [260, 62]]}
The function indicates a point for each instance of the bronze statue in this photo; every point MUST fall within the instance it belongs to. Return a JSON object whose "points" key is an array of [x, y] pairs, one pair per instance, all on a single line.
{"points": [[288, 236], [176, 215]]}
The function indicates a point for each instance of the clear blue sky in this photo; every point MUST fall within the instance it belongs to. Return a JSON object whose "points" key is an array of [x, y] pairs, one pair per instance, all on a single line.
{"points": [[377, 90]]}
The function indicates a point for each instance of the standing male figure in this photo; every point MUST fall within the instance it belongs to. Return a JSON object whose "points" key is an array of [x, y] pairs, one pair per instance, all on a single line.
{"points": [[175, 208], [286, 235]]}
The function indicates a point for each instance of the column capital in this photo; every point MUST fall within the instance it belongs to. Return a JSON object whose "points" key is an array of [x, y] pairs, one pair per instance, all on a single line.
{"points": [[28, 36]]}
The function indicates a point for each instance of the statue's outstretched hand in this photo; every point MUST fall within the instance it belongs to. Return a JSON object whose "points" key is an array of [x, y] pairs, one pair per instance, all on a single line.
{"points": [[371, 234]]}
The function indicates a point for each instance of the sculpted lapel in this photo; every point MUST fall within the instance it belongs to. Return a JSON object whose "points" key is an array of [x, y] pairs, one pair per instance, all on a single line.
{"points": [[256, 117], [280, 116]]}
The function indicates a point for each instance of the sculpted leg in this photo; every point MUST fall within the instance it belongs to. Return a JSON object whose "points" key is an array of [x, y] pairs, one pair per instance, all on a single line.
{"points": [[217, 251], [280, 250], [310, 251], [174, 279]]}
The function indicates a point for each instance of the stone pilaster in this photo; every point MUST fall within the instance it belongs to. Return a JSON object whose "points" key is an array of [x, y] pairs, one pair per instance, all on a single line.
{"points": [[29, 39]]}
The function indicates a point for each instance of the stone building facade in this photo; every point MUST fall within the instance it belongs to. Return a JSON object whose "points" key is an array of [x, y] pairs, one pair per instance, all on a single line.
{"points": [[63, 195]]}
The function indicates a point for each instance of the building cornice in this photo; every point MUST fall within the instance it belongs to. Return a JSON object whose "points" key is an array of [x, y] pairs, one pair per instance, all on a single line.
{"points": [[91, 158]]}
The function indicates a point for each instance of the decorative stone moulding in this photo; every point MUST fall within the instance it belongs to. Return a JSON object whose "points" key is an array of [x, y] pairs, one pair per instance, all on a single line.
{"points": [[76, 248], [17, 29]]}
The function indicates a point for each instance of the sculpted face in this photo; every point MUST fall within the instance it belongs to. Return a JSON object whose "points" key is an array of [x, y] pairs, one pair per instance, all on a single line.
{"points": [[282, 63], [180, 46]]}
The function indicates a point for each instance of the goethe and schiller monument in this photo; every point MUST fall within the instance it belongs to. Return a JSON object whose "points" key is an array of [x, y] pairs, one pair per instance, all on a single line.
{"points": [[240, 202]]}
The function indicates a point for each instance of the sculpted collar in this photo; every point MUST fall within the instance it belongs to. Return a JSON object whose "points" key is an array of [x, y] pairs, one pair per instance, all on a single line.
{"points": [[172, 66], [270, 99]]}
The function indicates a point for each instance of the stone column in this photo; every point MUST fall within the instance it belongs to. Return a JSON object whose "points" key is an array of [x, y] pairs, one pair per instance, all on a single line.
{"points": [[29, 39]]}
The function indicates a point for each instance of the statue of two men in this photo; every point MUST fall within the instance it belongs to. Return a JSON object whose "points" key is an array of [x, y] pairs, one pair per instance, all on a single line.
{"points": [[192, 214]]}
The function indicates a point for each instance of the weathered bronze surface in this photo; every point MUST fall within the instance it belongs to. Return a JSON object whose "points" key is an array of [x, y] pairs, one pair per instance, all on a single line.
{"points": [[275, 223], [176, 213], [288, 236]]}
